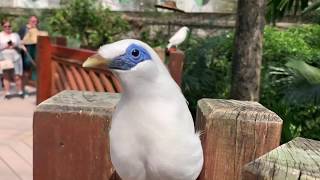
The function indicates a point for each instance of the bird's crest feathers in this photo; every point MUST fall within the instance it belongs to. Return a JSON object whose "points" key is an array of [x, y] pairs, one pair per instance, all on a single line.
{"points": [[125, 54]]}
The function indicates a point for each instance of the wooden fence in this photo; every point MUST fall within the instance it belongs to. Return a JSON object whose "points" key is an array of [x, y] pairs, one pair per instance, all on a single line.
{"points": [[60, 68], [71, 139]]}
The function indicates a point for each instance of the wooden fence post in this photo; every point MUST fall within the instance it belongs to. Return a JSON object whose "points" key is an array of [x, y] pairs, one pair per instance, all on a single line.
{"points": [[296, 160], [70, 137], [44, 68], [175, 66], [234, 133]]}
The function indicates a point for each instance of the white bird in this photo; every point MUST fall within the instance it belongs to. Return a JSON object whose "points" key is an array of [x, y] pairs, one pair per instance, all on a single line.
{"points": [[152, 135], [178, 37]]}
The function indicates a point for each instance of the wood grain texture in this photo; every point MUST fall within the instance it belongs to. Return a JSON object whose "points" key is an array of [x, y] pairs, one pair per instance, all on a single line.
{"points": [[175, 65], [96, 81], [117, 84], [298, 159], [58, 86], [234, 133], [63, 76], [70, 136], [44, 70], [87, 80], [106, 83], [70, 77], [77, 76]]}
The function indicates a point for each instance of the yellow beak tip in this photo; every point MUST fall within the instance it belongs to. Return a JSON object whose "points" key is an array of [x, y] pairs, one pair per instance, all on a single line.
{"points": [[95, 61]]}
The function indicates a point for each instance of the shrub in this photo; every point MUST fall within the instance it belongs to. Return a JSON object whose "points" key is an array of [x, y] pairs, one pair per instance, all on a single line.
{"points": [[288, 85], [207, 72]]}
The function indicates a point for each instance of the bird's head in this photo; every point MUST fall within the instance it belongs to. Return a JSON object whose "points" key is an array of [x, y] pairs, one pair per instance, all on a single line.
{"points": [[128, 58], [121, 55], [185, 28]]}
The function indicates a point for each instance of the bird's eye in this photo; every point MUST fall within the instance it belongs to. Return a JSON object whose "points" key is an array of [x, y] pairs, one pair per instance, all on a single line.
{"points": [[135, 53]]}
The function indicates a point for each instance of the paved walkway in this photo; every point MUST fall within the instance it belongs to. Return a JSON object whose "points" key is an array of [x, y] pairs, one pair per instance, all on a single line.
{"points": [[16, 138]]}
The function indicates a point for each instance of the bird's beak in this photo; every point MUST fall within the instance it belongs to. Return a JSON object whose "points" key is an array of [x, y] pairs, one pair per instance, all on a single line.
{"points": [[96, 61]]}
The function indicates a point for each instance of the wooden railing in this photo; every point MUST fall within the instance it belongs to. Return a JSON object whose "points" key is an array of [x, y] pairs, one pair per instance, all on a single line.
{"points": [[297, 160], [69, 74], [71, 139], [60, 68]]}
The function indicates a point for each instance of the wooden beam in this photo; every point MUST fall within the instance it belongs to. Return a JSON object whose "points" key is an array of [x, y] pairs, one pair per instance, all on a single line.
{"points": [[70, 136], [44, 68], [296, 160], [175, 65], [234, 133]]}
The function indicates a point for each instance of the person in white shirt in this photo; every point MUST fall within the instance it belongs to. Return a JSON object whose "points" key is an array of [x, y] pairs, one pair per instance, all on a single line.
{"points": [[9, 48]]}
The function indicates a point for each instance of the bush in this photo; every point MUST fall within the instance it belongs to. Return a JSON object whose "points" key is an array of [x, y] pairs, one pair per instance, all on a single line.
{"points": [[207, 74], [89, 22], [286, 89]]}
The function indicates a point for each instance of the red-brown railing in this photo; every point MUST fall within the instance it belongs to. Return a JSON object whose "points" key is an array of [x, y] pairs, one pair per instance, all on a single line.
{"points": [[60, 68]]}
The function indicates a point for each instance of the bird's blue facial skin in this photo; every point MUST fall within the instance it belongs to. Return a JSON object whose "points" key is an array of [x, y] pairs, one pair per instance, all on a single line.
{"points": [[134, 55]]}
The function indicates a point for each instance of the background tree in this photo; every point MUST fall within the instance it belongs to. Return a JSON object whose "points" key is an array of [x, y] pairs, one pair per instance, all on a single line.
{"points": [[247, 52]]}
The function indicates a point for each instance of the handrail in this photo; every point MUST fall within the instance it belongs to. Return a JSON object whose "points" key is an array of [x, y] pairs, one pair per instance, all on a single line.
{"points": [[60, 68]]}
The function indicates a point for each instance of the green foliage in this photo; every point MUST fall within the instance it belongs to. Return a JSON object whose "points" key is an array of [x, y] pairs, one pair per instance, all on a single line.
{"points": [[207, 71], [291, 123], [207, 75], [155, 38], [290, 86], [89, 22], [279, 44], [313, 7], [278, 8]]}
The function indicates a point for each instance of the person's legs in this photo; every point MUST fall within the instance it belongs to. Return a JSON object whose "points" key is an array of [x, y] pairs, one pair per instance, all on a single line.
{"points": [[27, 65], [18, 76], [6, 83], [18, 81]]}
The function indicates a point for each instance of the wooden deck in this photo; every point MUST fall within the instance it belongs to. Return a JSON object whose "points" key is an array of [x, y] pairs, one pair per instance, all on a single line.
{"points": [[16, 138]]}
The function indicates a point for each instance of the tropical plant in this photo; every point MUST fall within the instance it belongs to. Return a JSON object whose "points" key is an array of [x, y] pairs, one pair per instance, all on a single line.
{"points": [[291, 125], [304, 83], [291, 79], [278, 8], [89, 22], [314, 6]]}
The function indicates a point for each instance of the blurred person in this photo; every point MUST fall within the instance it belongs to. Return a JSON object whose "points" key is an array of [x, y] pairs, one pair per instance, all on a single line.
{"points": [[28, 33], [9, 49]]}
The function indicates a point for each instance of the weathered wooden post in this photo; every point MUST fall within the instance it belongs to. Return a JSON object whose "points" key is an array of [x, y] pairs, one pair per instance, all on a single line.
{"points": [[296, 160], [70, 137], [234, 133], [175, 65]]}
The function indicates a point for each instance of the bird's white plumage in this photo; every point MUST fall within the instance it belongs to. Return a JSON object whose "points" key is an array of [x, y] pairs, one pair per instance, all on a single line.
{"points": [[178, 37], [152, 135]]}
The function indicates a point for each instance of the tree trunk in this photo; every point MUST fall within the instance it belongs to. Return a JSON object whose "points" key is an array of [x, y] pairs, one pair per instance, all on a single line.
{"points": [[247, 53]]}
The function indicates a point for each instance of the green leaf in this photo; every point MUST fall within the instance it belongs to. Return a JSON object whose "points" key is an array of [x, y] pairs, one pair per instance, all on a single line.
{"points": [[309, 73], [312, 7]]}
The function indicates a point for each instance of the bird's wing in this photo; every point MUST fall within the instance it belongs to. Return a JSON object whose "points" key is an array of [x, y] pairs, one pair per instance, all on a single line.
{"points": [[171, 126]]}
